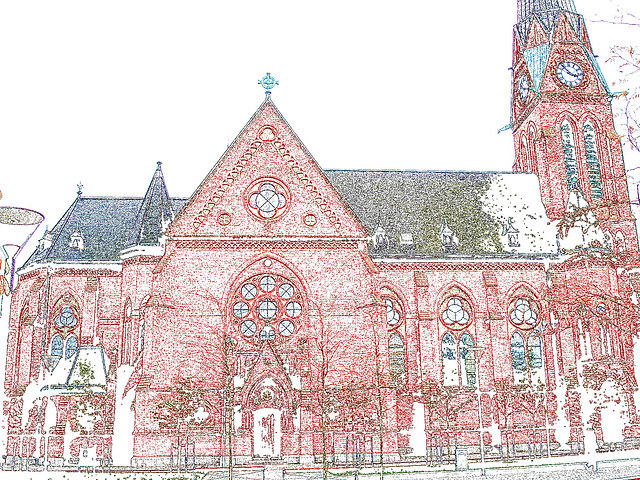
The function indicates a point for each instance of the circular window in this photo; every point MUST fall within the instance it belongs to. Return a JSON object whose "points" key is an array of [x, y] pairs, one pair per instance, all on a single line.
{"points": [[66, 318], [393, 312], [456, 313], [524, 313], [267, 307], [267, 199], [248, 328], [601, 309]]}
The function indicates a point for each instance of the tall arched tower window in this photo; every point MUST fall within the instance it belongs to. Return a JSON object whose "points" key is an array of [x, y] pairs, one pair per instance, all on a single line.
{"points": [[569, 152], [593, 163], [449, 360], [396, 359]]}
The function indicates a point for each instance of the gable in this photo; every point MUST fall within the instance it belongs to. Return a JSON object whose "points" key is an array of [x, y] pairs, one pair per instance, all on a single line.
{"points": [[266, 185]]}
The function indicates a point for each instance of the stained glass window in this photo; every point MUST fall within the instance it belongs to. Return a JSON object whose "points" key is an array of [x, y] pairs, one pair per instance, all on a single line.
{"points": [[517, 352], [468, 358], [393, 312], [449, 360], [593, 163], [396, 359], [535, 351], [456, 315], [56, 345], [267, 300], [71, 347], [66, 318], [569, 151]]}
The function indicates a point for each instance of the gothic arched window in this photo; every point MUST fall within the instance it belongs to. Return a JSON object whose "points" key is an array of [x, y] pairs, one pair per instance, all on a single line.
{"points": [[57, 345], [526, 354], [397, 359], [569, 151], [534, 352], [71, 346], [468, 360], [449, 360], [593, 163], [517, 353], [458, 360]]}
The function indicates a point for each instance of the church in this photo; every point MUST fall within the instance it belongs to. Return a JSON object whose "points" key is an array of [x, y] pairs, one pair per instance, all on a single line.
{"points": [[298, 315]]}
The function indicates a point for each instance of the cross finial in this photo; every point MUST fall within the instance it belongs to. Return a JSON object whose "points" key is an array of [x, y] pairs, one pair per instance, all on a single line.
{"points": [[80, 187], [268, 82]]}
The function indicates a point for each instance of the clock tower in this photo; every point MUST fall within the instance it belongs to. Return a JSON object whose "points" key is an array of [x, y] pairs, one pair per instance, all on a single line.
{"points": [[562, 119]]}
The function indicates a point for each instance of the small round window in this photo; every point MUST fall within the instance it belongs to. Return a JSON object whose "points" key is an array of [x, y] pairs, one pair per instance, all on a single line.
{"points": [[524, 313], [66, 318], [456, 313], [267, 199], [267, 307], [393, 312]]}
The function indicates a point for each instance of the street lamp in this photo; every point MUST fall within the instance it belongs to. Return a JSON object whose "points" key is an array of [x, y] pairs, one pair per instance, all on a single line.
{"points": [[17, 226]]}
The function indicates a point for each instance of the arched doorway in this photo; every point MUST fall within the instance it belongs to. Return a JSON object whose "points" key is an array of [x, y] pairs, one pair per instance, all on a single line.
{"points": [[267, 432]]}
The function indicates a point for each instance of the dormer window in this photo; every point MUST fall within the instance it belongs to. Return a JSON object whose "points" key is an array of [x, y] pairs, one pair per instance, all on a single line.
{"points": [[448, 238], [76, 242], [406, 242], [45, 242], [380, 239], [512, 234]]}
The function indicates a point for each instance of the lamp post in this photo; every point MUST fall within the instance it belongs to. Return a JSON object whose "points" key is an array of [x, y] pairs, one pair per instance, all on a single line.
{"points": [[17, 226], [477, 355]]}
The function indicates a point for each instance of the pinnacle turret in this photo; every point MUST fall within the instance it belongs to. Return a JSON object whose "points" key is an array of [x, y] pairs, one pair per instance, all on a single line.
{"points": [[154, 214]]}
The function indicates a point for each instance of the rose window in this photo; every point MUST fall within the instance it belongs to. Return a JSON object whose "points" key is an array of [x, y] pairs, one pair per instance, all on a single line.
{"points": [[456, 313], [267, 199], [267, 307], [524, 313], [393, 312], [66, 318]]}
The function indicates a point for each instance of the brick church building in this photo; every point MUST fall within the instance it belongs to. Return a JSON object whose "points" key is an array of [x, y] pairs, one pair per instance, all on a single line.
{"points": [[287, 311]]}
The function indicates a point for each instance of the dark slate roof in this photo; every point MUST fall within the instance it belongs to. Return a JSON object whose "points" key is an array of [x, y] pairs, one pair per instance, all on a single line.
{"points": [[105, 224], [477, 207], [548, 14], [154, 214]]}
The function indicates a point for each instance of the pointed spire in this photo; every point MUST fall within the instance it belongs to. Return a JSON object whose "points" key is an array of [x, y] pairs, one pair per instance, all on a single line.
{"points": [[548, 14], [155, 213], [527, 7]]}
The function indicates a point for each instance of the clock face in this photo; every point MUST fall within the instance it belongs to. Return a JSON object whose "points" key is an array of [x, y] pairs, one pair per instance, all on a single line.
{"points": [[523, 89], [570, 73]]}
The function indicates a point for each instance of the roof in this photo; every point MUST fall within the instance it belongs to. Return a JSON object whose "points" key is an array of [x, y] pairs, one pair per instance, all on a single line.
{"points": [[476, 206], [104, 224], [406, 210], [154, 214], [548, 13]]}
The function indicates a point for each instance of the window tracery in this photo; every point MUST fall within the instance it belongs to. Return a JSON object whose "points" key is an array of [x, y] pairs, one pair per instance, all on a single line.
{"points": [[64, 329], [267, 305], [459, 363], [456, 312]]}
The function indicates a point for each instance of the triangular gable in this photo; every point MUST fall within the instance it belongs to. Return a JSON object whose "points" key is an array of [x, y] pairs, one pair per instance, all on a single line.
{"points": [[537, 35], [266, 185], [537, 58], [565, 32]]}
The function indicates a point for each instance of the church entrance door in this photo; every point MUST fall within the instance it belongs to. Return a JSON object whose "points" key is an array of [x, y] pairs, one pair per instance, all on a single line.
{"points": [[267, 432]]}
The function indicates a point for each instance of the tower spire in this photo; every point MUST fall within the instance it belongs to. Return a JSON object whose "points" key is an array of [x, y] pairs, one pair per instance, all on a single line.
{"points": [[527, 7]]}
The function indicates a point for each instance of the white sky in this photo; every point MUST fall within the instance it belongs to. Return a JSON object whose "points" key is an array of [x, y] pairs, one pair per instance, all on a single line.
{"points": [[99, 92]]}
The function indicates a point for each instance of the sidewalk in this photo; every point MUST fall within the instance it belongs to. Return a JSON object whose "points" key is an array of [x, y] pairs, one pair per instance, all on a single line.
{"points": [[607, 469]]}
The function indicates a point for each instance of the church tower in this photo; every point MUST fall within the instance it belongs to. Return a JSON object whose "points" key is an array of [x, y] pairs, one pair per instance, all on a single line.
{"points": [[562, 119]]}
